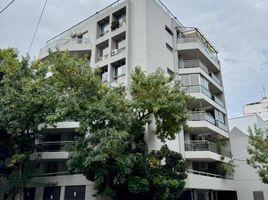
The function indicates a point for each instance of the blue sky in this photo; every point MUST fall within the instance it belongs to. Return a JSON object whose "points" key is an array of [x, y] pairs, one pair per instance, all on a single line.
{"points": [[237, 28]]}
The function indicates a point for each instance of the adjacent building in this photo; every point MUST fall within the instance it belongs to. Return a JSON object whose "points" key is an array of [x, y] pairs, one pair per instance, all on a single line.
{"points": [[145, 33], [248, 183], [260, 108]]}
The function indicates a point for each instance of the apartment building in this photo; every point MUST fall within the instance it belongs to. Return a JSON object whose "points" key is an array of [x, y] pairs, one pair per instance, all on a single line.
{"points": [[260, 108], [145, 33], [248, 183]]}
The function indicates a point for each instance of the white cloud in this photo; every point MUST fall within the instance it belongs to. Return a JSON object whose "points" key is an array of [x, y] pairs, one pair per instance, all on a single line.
{"points": [[237, 28]]}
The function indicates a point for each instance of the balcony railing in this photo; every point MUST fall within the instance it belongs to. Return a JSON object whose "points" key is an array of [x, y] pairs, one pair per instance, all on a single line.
{"points": [[56, 146], [221, 125], [218, 101], [196, 63], [104, 77], [54, 174], [204, 116], [201, 116], [192, 89], [211, 54], [205, 145], [198, 89], [215, 78]]}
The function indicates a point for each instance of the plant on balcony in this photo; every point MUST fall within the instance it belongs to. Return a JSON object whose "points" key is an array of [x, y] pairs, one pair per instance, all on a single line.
{"points": [[115, 24], [224, 168]]}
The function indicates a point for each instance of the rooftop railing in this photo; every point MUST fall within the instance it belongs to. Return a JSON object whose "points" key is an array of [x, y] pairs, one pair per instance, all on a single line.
{"points": [[211, 54], [205, 145]]}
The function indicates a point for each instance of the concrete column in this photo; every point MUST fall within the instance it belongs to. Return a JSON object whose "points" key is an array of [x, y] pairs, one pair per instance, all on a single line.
{"points": [[62, 192], [39, 193]]}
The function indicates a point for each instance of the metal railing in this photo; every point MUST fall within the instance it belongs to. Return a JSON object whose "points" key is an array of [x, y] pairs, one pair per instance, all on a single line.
{"points": [[55, 146], [54, 174], [205, 145], [204, 173], [196, 39]]}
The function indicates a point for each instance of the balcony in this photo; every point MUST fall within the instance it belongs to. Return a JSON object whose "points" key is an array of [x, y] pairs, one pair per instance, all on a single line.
{"points": [[193, 44], [76, 45], [203, 116], [205, 145], [54, 146], [204, 180], [195, 63], [195, 89]]}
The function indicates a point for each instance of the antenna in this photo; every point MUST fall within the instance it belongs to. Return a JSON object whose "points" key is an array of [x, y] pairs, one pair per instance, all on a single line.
{"points": [[264, 91]]}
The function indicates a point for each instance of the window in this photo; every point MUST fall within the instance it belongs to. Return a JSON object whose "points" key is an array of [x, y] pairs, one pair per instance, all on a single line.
{"points": [[168, 30], [29, 193], [169, 47], [75, 192], [51, 193], [258, 195]]}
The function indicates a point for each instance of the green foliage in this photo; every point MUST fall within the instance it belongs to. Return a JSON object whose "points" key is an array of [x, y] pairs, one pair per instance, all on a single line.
{"points": [[160, 96], [110, 149], [224, 168], [114, 154], [258, 152]]}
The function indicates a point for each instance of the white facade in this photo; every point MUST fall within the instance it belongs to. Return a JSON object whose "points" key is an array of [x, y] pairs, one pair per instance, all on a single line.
{"points": [[260, 108], [247, 180], [148, 35]]}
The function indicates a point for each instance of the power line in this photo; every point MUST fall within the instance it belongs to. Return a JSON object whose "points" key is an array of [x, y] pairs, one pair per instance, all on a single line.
{"points": [[6, 6], [39, 20]]}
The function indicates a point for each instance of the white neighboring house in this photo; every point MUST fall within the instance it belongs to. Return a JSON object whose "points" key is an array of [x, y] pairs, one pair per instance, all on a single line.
{"points": [[146, 34], [260, 108], [248, 183]]}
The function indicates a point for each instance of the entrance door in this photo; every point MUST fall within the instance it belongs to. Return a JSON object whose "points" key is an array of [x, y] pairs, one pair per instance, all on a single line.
{"points": [[29, 193], [51, 193]]}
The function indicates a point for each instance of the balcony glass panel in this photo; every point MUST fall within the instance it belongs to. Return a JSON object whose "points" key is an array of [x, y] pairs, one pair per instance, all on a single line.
{"points": [[205, 145], [201, 116], [198, 89]]}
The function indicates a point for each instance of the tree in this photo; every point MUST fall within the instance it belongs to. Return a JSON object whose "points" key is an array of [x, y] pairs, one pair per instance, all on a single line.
{"points": [[22, 108], [110, 148], [258, 152], [114, 153], [31, 93]]}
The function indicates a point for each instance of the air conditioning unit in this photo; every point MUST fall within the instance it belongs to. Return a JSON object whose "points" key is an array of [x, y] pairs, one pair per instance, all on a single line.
{"points": [[114, 52]]}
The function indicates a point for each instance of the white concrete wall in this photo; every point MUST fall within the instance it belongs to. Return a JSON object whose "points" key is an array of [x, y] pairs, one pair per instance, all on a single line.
{"points": [[247, 180]]}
